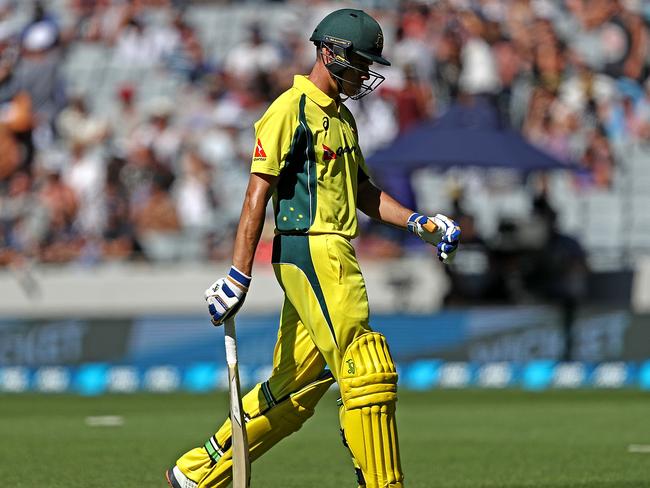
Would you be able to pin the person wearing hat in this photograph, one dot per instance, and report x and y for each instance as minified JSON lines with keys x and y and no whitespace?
{"x":307,"y":158}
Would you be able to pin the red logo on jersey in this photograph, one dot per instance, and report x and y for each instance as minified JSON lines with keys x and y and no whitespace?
{"x":328,"y":154}
{"x":259,"y":150}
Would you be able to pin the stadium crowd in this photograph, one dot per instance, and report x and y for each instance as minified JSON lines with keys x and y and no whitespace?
{"x":161,"y":180}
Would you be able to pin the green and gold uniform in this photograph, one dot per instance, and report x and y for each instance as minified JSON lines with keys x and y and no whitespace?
{"x":310,"y":141}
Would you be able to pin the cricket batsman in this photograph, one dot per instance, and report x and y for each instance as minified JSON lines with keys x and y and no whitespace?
{"x":307,"y":159}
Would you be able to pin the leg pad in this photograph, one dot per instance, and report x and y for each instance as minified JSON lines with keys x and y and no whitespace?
{"x":368,"y":382}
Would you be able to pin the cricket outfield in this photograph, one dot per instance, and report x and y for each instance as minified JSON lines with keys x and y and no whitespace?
{"x":449,"y":439}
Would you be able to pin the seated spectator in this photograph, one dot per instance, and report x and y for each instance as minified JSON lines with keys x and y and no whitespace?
{"x":86,"y":175}
{"x":124,"y":116}
{"x":22,"y":218}
{"x":252,"y":56}
{"x":77,"y":125}
{"x":159,"y":133}
{"x":140,"y":46}
{"x":413,"y":101}
{"x":195,"y":199}
{"x":158,"y":213}
{"x":38,"y":72}
{"x":118,"y":235}
{"x":187,"y":58}
{"x":62,"y":242}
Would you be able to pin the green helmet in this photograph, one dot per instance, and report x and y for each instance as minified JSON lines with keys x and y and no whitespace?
{"x":349,"y":31}
{"x":354,"y":29}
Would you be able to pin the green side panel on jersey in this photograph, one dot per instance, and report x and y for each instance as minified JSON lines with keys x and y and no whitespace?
{"x":294,"y":249}
{"x":295,"y":208}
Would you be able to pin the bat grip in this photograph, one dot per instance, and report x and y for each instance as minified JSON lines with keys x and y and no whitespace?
{"x":231,"y":341}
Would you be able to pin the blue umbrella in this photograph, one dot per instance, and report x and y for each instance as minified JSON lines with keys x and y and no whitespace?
{"x":464,"y":136}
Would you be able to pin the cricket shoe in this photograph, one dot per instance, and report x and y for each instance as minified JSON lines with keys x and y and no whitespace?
{"x":177,"y":479}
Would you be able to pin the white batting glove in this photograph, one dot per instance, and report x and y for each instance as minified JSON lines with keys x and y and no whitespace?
{"x":226,"y":295}
{"x":439,"y":231}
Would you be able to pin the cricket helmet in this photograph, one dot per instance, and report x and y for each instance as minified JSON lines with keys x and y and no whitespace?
{"x":347,"y":31}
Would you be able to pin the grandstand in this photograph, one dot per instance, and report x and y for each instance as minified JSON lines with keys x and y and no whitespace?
{"x":135,"y":153}
{"x":126,"y":136}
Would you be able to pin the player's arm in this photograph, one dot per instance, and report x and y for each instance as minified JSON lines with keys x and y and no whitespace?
{"x":379,"y":205}
{"x":439,"y":230}
{"x":226,"y":295}
{"x":260,"y":188}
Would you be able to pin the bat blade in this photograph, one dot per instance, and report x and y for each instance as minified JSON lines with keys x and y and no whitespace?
{"x":241,"y":467}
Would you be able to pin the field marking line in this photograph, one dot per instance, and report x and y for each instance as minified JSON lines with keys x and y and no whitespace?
{"x":104,"y":421}
{"x":639,"y":448}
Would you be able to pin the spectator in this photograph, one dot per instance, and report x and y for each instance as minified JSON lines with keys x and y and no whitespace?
{"x":158,"y":132}
{"x":85,"y":175}
{"x":140,"y":46}
{"x":194,"y":196}
{"x":119,"y":241}
{"x":62,"y":242}
{"x":253,"y":56}
{"x":560,"y":271}
{"x":76,"y":125}
{"x":22,"y":218}
{"x":187,"y":58}
{"x":124,"y":116}
{"x":413,"y":102}
{"x":478,"y":75}
{"x":472,"y":276}
{"x":158,"y":213}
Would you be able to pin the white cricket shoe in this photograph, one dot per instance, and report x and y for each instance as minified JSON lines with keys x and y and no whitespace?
{"x":177,"y":479}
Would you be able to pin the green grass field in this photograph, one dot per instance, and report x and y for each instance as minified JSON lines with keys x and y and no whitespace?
{"x":459,"y":439}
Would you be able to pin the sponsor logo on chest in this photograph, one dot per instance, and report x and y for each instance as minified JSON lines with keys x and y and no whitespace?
{"x":330,"y":154}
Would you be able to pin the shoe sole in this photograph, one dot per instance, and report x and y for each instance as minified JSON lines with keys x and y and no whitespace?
{"x":169,"y":476}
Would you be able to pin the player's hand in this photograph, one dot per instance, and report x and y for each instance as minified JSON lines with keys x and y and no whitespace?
{"x":226,"y":295}
{"x":439,"y":231}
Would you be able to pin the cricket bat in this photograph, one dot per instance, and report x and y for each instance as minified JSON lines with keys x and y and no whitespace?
{"x":241,"y":466}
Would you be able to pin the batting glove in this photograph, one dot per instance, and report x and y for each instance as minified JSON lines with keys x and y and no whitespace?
{"x":226,"y":295}
{"x":439,"y":231}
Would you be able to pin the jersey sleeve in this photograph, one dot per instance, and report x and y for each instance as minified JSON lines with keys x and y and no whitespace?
{"x":273,"y":135}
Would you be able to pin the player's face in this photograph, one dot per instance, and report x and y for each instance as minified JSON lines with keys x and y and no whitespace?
{"x":354,"y":78}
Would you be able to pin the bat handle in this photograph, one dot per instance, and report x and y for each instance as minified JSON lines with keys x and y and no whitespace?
{"x":231,"y":341}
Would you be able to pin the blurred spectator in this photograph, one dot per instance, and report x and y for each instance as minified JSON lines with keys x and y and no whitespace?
{"x":77,"y":125}
{"x":99,"y":20}
{"x":413,"y":101}
{"x":158,"y":132}
{"x":253,"y":56}
{"x":140,"y":46}
{"x":85,"y":175}
{"x":472,"y":276}
{"x":415,"y":53}
{"x":119,"y":241}
{"x":23,"y":219}
{"x":194,"y":195}
{"x":158,"y":212}
{"x":560,"y":272}
{"x":62,"y":241}
{"x":448,"y":66}
{"x":124,"y":116}
{"x":187,"y":58}
{"x":478,"y":74}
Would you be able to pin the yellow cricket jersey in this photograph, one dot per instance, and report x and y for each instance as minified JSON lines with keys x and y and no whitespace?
{"x":312,"y":144}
